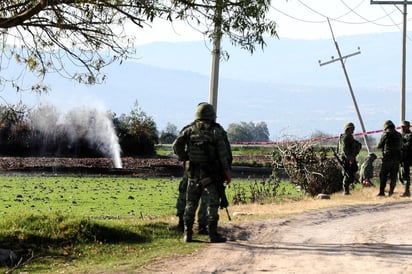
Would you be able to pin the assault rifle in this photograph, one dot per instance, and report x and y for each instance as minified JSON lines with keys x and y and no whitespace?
{"x":342,"y":164}
{"x":224,"y":203}
{"x":340,"y":161}
{"x":220,"y":179}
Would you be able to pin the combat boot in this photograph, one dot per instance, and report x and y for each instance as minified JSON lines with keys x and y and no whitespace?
{"x":381,"y":189}
{"x":391,"y":189}
{"x":407,"y":192}
{"x":181,"y":225}
{"x":214,"y":237}
{"x":203,"y":229}
{"x":188,"y":236}
{"x":346,"y":191}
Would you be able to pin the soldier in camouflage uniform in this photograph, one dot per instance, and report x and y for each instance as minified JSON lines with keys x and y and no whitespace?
{"x":204,"y":144}
{"x":366,"y":170}
{"x":348,"y":149}
{"x":406,"y":157}
{"x":391,"y":145}
{"x":181,"y":204}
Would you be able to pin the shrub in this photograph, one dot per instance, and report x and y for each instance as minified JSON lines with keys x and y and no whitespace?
{"x":311,"y":171}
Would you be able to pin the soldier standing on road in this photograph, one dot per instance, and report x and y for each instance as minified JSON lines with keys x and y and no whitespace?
{"x":406,"y":157}
{"x":204,"y":144}
{"x":348,"y":149}
{"x":181,"y":204}
{"x":391,"y":145}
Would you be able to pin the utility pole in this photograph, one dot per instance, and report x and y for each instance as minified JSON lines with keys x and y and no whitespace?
{"x":217,"y":37}
{"x":342,"y":59}
{"x":403,"y":63}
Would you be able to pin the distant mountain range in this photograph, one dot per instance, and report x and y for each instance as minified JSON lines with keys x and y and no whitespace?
{"x":283,"y":85}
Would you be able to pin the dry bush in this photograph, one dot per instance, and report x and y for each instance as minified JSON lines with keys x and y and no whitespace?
{"x":308,"y":167}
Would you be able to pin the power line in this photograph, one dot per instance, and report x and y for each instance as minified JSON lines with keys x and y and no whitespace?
{"x":338,"y":18}
{"x":299,"y":19}
{"x":374,"y":21}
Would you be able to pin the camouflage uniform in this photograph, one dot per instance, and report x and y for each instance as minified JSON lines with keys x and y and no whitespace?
{"x":348,"y":149}
{"x":366,"y":170}
{"x":204,"y":144}
{"x":391,"y":144}
{"x":406,"y":157}
{"x":181,"y":204}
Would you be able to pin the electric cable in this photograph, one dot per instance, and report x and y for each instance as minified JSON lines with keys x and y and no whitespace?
{"x":339,"y":17}
{"x":374,"y":21}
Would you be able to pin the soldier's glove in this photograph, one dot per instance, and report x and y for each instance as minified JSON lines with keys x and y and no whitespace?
{"x":228,"y":179}
{"x":224,"y":203}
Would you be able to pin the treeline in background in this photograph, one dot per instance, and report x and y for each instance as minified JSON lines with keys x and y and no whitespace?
{"x":88,"y":132}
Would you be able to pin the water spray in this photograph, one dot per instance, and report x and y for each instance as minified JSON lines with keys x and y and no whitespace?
{"x":88,"y":123}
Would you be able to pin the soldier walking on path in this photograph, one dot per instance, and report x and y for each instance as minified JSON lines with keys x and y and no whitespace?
{"x":348,"y":149}
{"x":406,"y":157}
{"x":391,"y":145}
{"x":204,"y":144}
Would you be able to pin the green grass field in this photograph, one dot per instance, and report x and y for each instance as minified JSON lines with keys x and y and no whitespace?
{"x":101,"y":197}
{"x":83,"y":223}
{"x":96,"y":197}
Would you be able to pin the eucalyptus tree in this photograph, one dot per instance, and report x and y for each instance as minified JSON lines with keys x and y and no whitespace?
{"x":77,"y":38}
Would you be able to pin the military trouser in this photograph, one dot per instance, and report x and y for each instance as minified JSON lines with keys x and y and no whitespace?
{"x":389,"y":170}
{"x":404,"y":176}
{"x":209,"y":195}
{"x":181,"y":204}
{"x":348,"y":180}
{"x":349,"y":175}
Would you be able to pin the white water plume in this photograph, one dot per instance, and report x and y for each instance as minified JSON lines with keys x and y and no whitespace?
{"x":88,"y":123}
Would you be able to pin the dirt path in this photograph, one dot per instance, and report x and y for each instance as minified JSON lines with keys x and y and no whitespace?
{"x":354,"y":239}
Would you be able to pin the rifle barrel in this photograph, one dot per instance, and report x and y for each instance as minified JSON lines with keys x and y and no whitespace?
{"x":228,"y":215}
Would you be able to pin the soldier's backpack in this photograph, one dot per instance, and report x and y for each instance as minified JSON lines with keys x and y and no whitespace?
{"x":201,"y":146}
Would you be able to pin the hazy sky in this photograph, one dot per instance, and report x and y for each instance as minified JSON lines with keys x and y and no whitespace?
{"x":305,"y":19}
{"x":296,"y":19}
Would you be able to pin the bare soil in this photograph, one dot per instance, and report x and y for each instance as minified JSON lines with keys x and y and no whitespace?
{"x":134,"y":166}
{"x":363,"y":238}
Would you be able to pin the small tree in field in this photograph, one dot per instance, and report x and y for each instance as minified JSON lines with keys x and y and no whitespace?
{"x":168,"y":135}
{"x":137,"y":132}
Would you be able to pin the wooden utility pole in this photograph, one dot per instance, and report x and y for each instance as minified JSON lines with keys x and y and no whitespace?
{"x":217,"y":37}
{"x":342,"y":59}
{"x":403,"y":63}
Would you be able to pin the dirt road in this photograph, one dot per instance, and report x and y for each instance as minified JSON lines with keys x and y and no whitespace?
{"x":354,"y":239}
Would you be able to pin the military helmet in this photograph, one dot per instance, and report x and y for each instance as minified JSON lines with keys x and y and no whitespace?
{"x":388,"y":124}
{"x":349,"y":125}
{"x":205,"y":111}
{"x":405,"y":123}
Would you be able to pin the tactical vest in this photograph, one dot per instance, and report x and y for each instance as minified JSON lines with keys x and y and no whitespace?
{"x":201,"y":147}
